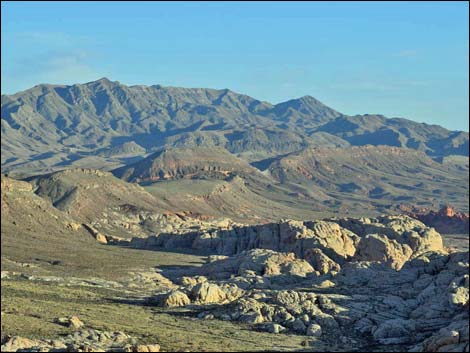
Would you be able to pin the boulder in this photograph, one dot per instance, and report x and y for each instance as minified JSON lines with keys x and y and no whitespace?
{"x":174,"y":298}
{"x":395,"y":331}
{"x":258,"y":262}
{"x":192,"y":281}
{"x":452,"y":338}
{"x":251,"y":318}
{"x":272,"y":263}
{"x":314,"y":330}
{"x":146,"y":348}
{"x":298,"y":326}
{"x":459,"y":297}
{"x":88,"y":340}
{"x":74,"y":226}
{"x":331,"y":236}
{"x":273,"y":328}
{"x":71,"y":321}
{"x":207,"y":293}
{"x":101,"y":238}
{"x":17,"y":343}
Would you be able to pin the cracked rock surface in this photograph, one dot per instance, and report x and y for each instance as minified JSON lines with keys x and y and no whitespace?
{"x":388,"y":280}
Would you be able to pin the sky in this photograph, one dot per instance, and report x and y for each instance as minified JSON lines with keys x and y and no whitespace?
{"x":399,"y":59}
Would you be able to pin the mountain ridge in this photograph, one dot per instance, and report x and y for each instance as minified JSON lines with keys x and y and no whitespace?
{"x":299,"y":100}
{"x":50,"y":127}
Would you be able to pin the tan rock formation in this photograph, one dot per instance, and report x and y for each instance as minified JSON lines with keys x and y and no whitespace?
{"x":376,"y":247}
{"x":175,"y":298}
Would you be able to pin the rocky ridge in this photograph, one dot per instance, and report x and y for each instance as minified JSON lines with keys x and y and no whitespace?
{"x":386,"y":238}
{"x":445,"y":220}
{"x":83,"y":340}
{"x":388,"y":280}
{"x":49,"y":126}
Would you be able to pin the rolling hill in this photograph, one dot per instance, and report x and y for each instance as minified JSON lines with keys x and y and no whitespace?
{"x":374,"y":176}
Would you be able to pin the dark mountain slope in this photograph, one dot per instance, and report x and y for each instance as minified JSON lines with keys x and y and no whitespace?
{"x":376,"y":130}
{"x":49,"y":127}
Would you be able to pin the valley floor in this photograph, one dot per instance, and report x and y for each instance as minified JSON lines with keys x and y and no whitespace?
{"x":29,"y":309}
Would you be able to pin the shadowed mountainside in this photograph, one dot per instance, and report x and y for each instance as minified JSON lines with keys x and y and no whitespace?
{"x":106,"y":124}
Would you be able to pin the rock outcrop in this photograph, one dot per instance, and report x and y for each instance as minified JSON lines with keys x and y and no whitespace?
{"x":376,"y":247}
{"x":381,"y":281}
{"x":446,"y":220}
{"x":174,"y":298}
{"x":89,"y":340}
{"x":327,"y":243}
{"x":387,"y":279}
{"x":260,"y":262}
{"x":71,"y":321}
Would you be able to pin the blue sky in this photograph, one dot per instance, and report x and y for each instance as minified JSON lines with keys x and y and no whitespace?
{"x":399,"y":59}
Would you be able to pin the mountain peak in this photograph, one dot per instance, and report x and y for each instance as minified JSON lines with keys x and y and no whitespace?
{"x":302,"y":101}
{"x":307,"y":105}
{"x":309,"y":100}
{"x":102,"y":81}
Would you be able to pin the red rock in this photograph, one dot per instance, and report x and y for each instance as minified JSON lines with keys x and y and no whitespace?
{"x":446,"y":220}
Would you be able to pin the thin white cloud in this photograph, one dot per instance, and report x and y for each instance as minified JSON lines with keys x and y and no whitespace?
{"x":54,"y":57}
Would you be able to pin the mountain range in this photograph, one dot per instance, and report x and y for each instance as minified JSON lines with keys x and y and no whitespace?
{"x":56,"y":125}
{"x":206,"y":220}
{"x":300,"y":153}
